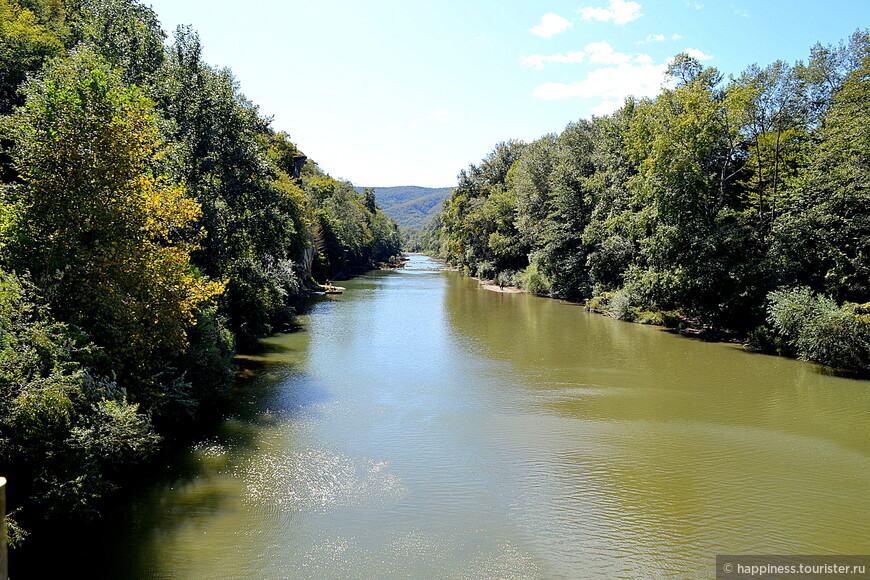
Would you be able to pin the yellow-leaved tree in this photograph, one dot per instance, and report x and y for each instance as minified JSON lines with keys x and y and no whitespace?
{"x":104,"y":233}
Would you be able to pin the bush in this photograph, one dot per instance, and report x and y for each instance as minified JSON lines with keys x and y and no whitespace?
{"x":534,"y":282}
{"x":620,"y":305}
{"x":667,"y":318}
{"x":510,"y":278}
{"x":485,"y":270}
{"x":65,"y":435}
{"x":599,"y":303}
{"x":655,"y":290}
{"x":819,"y":330}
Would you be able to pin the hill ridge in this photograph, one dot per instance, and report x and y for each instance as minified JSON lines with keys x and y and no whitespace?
{"x":412,"y":206}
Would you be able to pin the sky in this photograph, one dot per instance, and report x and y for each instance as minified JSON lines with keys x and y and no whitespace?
{"x":406,"y":92}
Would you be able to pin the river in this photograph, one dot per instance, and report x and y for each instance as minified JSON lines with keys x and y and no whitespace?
{"x":419,"y":426}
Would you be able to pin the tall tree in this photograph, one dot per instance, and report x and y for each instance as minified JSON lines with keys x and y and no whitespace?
{"x":106,"y":235}
{"x":824,"y":238}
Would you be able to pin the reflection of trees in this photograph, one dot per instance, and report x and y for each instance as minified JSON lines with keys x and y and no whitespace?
{"x":653,"y":442}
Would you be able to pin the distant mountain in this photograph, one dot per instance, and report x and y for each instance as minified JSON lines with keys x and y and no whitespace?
{"x":410,"y":205}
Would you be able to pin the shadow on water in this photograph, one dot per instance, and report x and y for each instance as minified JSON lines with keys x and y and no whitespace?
{"x":184,"y":484}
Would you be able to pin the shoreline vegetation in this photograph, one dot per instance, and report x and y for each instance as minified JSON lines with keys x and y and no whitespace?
{"x":726,"y":208}
{"x":153,"y":224}
{"x":671,"y":321}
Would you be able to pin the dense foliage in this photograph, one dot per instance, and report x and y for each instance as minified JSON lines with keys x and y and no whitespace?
{"x":738,"y":203}
{"x":151,"y":219}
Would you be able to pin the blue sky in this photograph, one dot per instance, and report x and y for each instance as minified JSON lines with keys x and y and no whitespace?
{"x":403,"y":92}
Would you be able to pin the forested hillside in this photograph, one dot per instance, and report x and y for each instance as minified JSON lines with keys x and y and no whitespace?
{"x":411,"y":206}
{"x":151,"y":219}
{"x":739,"y":203}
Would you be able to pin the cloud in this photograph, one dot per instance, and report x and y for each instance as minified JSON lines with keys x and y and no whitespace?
{"x":597,"y":53}
{"x":602,"y":53}
{"x":643,"y":59}
{"x":610,"y":84}
{"x":658,"y":38}
{"x":695,"y":53}
{"x":550,"y":25}
{"x":440,"y":115}
{"x":619,"y":11}
{"x":654,"y":38}
{"x":537,"y":61}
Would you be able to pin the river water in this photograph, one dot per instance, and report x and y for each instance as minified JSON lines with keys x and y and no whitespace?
{"x":422,"y":427}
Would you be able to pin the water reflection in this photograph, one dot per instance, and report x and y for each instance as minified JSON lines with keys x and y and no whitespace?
{"x":423,"y":427}
{"x":660,"y":451}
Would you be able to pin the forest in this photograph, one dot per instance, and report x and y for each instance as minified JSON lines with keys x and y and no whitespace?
{"x":738,"y":204}
{"x":152,"y":222}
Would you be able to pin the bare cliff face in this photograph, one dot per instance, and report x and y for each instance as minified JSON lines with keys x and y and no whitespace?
{"x":298,"y":162}
{"x":306,"y":261}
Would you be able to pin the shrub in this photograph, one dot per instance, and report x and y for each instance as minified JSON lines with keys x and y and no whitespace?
{"x":620,"y":305}
{"x":485,"y":270}
{"x":667,"y":318}
{"x":511,"y":278}
{"x":535,"y":282}
{"x":65,"y":435}
{"x":819,"y":330}
{"x":599,"y":303}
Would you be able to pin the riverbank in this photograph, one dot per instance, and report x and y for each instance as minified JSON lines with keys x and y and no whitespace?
{"x":494,"y":286}
{"x":671,"y":321}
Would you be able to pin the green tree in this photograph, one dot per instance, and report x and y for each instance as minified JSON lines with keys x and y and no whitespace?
{"x":126,"y":34}
{"x":105,"y":234}
{"x":477,"y":225}
{"x":769,"y":105}
{"x":25,"y":45}
{"x":66,"y":435}
{"x":689,"y":156}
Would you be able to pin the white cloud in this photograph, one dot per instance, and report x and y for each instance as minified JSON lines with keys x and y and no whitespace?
{"x":695,"y":53}
{"x":550,"y":25}
{"x":609,"y":84}
{"x":597,"y":52}
{"x":602,"y":53}
{"x":440,"y":115}
{"x":619,"y":11}
{"x":658,"y":38}
{"x":537,"y":61}
{"x":643,"y":59}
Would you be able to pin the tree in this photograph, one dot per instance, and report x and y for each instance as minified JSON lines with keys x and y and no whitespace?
{"x":688,"y":153}
{"x":125,"y":33}
{"x":25,"y":44}
{"x":772,"y":111}
{"x":823,"y":239}
{"x":106,"y":235}
{"x":65,"y":433}
{"x":477,"y":226}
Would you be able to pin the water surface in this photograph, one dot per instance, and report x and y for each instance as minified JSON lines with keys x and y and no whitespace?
{"x":419,"y":426}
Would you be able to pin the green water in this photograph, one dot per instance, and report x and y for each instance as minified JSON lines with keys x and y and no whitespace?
{"x":422,"y":427}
